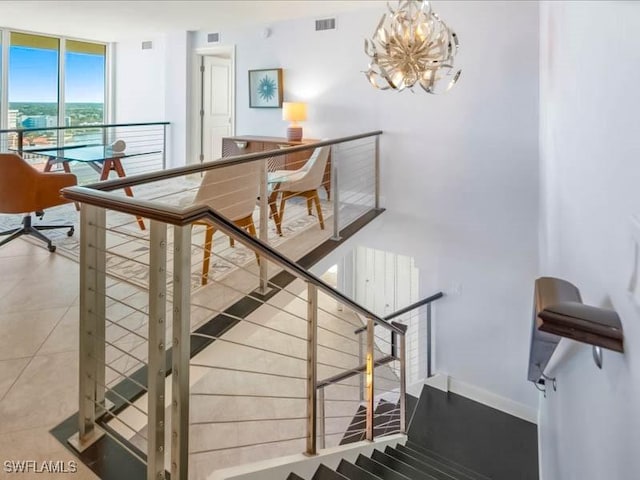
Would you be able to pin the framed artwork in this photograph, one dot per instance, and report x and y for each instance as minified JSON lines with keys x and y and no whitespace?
{"x":265,"y":88}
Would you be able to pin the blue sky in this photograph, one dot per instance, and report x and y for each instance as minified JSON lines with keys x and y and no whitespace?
{"x":33,"y":76}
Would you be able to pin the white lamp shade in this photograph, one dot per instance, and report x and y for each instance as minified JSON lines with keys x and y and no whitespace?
{"x":294,"y":111}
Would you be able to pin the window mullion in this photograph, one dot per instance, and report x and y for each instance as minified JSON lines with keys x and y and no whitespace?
{"x":61,"y":91}
{"x":4,"y":79}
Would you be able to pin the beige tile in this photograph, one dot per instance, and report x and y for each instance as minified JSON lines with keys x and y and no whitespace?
{"x":39,"y":445}
{"x":7,"y":286}
{"x":22,"y":247}
{"x":19,"y":267}
{"x":9,"y":372}
{"x":44,"y":395}
{"x":52,"y":283}
{"x":64,"y":337}
{"x":24,"y":332}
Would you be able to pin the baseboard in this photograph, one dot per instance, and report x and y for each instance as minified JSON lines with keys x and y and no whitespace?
{"x":449,"y":384}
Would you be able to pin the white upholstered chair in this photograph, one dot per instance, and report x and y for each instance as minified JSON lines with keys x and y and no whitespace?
{"x":303,"y":182}
{"x":232,"y":192}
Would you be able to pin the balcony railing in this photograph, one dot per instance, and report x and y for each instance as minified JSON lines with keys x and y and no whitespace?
{"x":43,"y":146}
{"x":258,"y":361}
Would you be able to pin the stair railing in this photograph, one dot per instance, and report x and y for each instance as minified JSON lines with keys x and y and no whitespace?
{"x":157,"y":304}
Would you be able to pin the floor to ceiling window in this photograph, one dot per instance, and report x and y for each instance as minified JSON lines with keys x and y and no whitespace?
{"x":38,"y":66}
{"x":84,"y":87}
{"x":33,"y":85}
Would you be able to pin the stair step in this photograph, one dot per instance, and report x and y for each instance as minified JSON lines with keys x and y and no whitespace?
{"x":444,"y":460}
{"x":293,"y":476}
{"x":325,"y":473}
{"x":405,"y":469}
{"x":386,"y":418}
{"x":435,"y":470}
{"x":355,"y":431}
{"x":353,"y":472}
{"x":463,"y":471}
{"x":379,"y":469}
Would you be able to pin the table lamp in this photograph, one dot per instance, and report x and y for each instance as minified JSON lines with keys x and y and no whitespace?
{"x":294,"y":112}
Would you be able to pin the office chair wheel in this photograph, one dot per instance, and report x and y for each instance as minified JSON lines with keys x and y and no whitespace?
{"x":52,"y":248}
{"x":39,"y":214}
{"x":70,"y":232}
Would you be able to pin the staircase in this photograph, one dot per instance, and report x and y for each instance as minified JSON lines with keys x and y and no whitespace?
{"x":404,"y":462}
{"x":450,"y":438}
{"x":386,"y":420}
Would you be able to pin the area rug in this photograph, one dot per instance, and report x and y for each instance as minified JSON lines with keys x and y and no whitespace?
{"x":128,"y":245}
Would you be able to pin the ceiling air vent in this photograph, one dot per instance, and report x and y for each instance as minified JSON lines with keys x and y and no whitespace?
{"x":213,"y":37}
{"x":147,"y":45}
{"x":325,"y":24}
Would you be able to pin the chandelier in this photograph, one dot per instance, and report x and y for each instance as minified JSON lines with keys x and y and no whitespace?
{"x":412,"y":45}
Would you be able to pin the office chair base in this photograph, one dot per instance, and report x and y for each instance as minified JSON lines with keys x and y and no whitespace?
{"x":34,"y":230}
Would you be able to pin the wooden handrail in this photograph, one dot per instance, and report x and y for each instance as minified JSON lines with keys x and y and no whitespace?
{"x":144,"y":178}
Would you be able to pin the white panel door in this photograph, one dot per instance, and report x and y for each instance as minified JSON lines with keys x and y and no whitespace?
{"x":216,"y":105}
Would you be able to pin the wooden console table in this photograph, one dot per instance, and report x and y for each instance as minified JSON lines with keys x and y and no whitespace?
{"x":292,"y":161}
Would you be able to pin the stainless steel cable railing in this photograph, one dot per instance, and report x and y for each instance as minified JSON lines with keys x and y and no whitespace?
{"x":262,"y":354}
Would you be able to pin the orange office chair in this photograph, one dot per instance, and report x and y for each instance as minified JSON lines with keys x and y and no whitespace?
{"x":23,"y":189}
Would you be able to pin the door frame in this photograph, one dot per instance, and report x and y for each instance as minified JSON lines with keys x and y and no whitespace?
{"x":228,"y":52}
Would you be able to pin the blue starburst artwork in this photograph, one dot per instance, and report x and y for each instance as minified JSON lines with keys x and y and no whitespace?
{"x":265,"y":88}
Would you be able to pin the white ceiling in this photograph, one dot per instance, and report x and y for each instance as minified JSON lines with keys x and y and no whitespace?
{"x":120,"y":20}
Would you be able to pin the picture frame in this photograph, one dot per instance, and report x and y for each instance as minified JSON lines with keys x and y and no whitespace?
{"x":265,"y":88}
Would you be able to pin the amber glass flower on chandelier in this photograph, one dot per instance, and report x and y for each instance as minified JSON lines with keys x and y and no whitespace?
{"x":412,"y":45}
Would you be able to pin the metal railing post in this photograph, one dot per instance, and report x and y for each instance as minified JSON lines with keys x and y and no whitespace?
{"x":312,"y":367}
{"x":322,"y":416}
{"x":370,"y":379}
{"x":394,"y":344}
{"x":164,"y":147}
{"x":403,"y":383}
{"x":335,"y":193}
{"x":92,"y":324}
{"x":20,"y":142}
{"x":377,"y":171}
{"x":361,"y":360}
{"x":429,"y":341}
{"x":156,"y":367}
{"x":264,"y":226}
{"x":181,"y":352}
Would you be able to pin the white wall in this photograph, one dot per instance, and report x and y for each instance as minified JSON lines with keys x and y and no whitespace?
{"x":177,"y":96}
{"x":590,"y":147}
{"x":462,"y":166}
{"x":139,"y":81}
{"x":153,"y":86}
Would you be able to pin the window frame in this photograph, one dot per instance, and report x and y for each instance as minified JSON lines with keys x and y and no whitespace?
{"x":5,"y":36}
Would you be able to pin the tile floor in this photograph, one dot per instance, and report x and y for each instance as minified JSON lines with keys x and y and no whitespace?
{"x":38,"y":355}
{"x":39,"y":352}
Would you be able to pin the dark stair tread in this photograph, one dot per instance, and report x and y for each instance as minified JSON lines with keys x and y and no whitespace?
{"x":353,"y":472}
{"x":293,"y":476}
{"x":411,"y":404}
{"x":325,"y":473}
{"x":386,"y":418}
{"x":439,"y":458}
{"x":355,"y":431}
{"x":463,"y":472}
{"x":438,"y":471}
{"x":399,"y":466}
{"x":379,"y":469}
